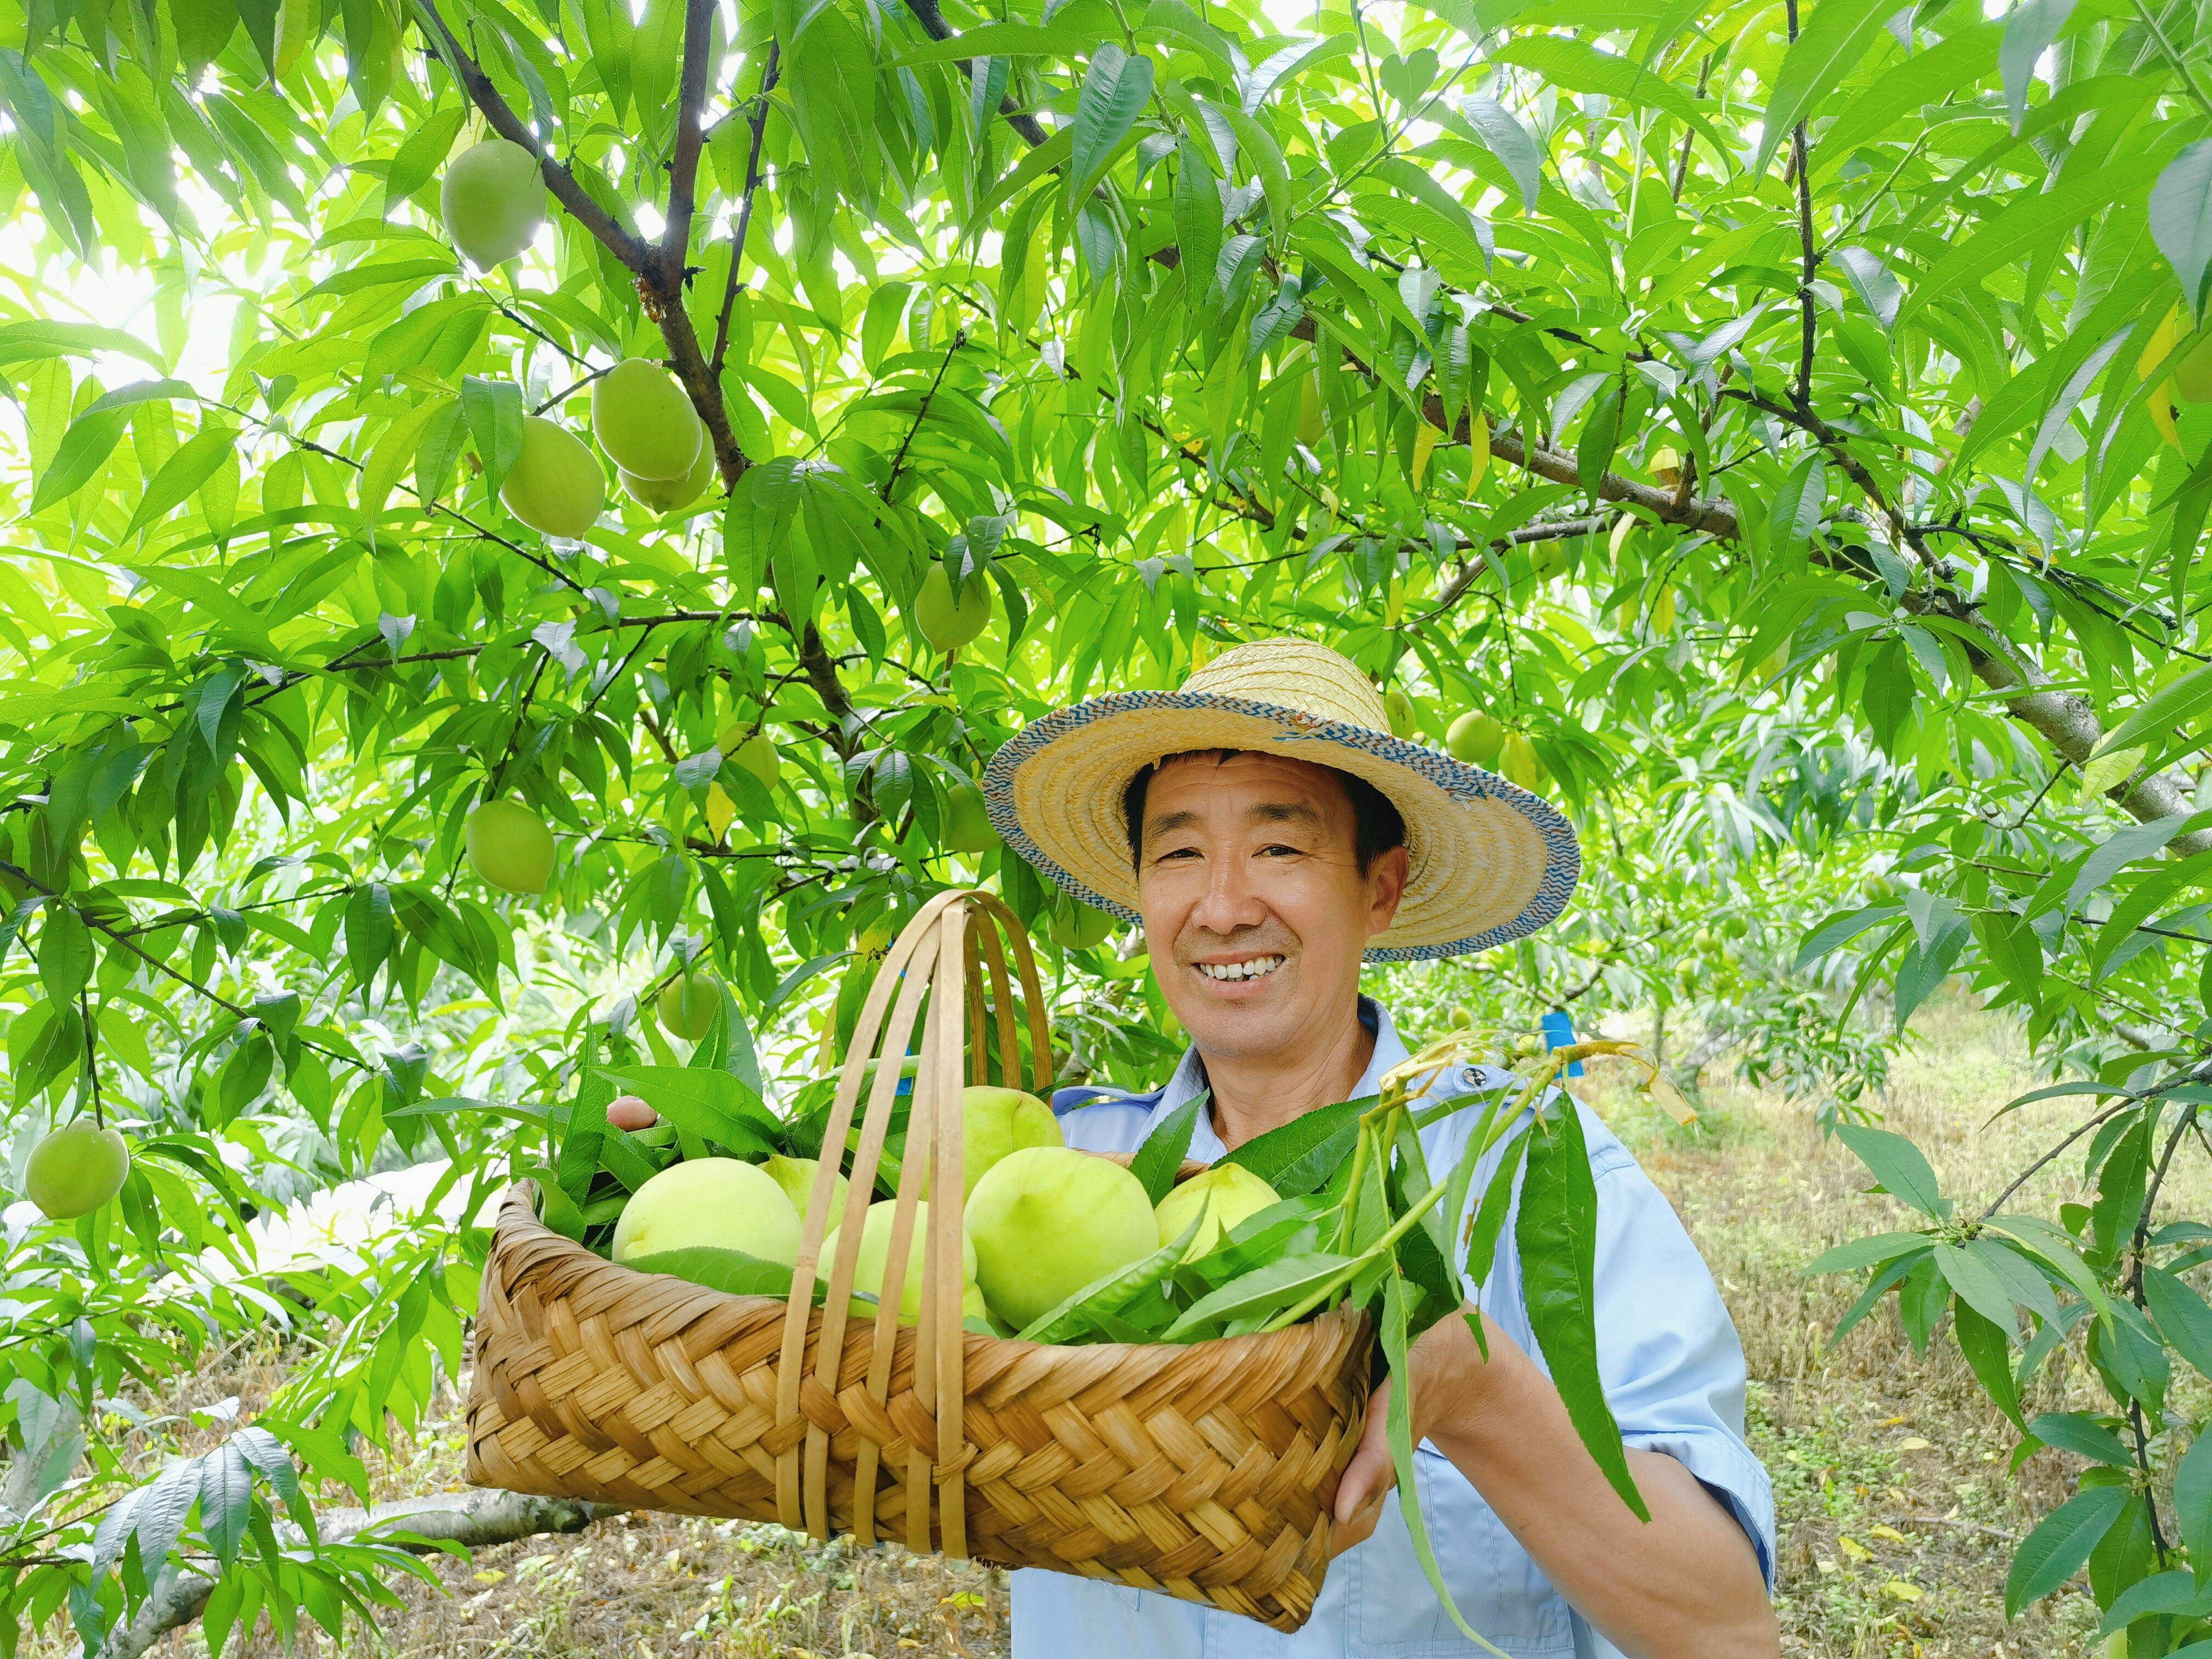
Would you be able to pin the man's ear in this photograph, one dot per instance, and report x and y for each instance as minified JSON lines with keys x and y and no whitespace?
{"x":1386,"y":886}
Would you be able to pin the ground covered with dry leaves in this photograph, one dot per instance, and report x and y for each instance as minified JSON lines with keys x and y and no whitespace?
{"x":1899,"y":1508}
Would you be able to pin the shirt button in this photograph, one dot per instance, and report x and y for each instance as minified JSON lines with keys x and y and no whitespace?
{"x":1469,"y":1074}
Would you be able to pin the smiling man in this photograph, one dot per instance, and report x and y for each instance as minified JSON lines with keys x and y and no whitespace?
{"x":1270,"y":836}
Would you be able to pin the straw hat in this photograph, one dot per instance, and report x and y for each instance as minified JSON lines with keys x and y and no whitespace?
{"x":1491,"y":862}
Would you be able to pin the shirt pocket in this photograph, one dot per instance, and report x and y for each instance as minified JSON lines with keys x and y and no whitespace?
{"x":1495,"y":1584}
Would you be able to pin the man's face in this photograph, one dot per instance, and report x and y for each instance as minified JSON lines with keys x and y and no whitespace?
{"x":1256,"y":912}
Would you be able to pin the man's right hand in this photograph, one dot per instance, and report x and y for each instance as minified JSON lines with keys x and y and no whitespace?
{"x":628,"y":1112}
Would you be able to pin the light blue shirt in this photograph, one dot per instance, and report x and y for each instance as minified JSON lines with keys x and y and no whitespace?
{"x":1673,"y":1376}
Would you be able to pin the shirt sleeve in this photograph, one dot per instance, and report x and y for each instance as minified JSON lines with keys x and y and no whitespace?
{"x":1672,"y":1366}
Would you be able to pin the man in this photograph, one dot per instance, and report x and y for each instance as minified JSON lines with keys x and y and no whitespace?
{"x":1268,"y":833}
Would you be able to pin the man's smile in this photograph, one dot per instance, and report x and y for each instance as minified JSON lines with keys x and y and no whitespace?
{"x":1240,"y":970}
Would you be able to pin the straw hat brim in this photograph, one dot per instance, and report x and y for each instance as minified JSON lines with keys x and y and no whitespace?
{"x":1490,"y":862}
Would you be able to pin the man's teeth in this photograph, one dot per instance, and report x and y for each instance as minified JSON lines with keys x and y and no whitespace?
{"x":1253,"y":970}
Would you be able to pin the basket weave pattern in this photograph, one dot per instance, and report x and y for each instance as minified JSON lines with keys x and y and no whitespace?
{"x":1207,"y":1470}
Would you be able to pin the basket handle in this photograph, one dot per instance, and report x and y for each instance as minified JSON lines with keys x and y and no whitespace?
{"x":906,"y":971}
{"x":936,"y":957}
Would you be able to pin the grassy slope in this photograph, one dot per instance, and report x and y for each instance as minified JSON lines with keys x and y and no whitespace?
{"x":1897,"y":1510}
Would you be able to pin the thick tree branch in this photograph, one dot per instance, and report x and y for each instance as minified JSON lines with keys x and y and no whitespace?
{"x":474,"y":1520}
{"x":690,"y":137}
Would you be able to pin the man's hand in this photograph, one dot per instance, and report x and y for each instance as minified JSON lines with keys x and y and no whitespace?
{"x":1448,"y":1375}
{"x":1685,"y":1585}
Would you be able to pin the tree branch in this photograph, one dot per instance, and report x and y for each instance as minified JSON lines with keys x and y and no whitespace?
{"x":474,"y":1520}
{"x":933,"y":25}
{"x":690,"y":136}
{"x":1808,"y":252}
{"x":769,"y":75}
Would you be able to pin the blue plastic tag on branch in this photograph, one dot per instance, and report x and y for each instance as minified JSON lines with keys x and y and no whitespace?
{"x":1558,"y":1032}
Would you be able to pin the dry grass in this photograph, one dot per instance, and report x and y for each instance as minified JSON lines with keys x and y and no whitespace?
{"x":1898,"y":1511}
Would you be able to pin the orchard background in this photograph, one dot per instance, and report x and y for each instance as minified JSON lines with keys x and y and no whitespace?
{"x":1788,"y":427}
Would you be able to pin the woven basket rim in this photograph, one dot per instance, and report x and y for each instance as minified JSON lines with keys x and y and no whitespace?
{"x":517,"y":1219}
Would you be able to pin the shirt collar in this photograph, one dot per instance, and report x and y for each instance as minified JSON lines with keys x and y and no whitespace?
{"x":1190,"y":1077}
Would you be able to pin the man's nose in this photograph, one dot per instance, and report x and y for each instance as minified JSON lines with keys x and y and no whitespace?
{"x":1231,"y":902}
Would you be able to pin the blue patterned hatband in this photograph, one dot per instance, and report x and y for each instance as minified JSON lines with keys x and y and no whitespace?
{"x":1478,"y":792}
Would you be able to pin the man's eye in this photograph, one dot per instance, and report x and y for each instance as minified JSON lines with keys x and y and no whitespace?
{"x":1176,"y":853}
{"x":1276,"y":849}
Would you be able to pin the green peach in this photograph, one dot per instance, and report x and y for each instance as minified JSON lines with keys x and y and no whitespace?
{"x":492,"y":202}
{"x":509,"y":846}
{"x":875,"y":1254}
{"x":721,"y":1203}
{"x":796,"y":1176}
{"x":687,"y":1004}
{"x":77,"y":1169}
{"x":555,"y":486}
{"x":1049,"y":1220}
{"x":995,"y":1122}
{"x":949,"y":620}
{"x":1218,"y":1199}
{"x":645,"y":422}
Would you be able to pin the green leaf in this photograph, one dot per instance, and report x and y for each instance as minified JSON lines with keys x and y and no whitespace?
{"x":2119,"y":851}
{"x":1976,"y":1283}
{"x":226,"y":1500}
{"x":1899,"y":1166}
{"x":423,"y":155}
{"x":2181,"y":218}
{"x":183,"y":473}
{"x":1574,"y":66}
{"x":1285,"y":64}
{"x":1110,"y":1293}
{"x":1270,"y":1288}
{"x":713,"y":1104}
{"x":1398,"y":1430}
{"x":2022,"y":228}
{"x":1065,"y":40}
{"x":1988,"y":1353}
{"x":84,"y":450}
{"x":1165,"y":1149}
{"x":2082,"y":1435}
{"x":2059,"y":1547}
{"x":1509,"y":142}
{"x":2182,"y":1318}
{"x":2012,"y":946}
{"x":1858,"y":1253}
{"x":2192,"y":1504}
{"x":64,"y":953}
{"x":1827,"y":48}
{"x":1115,"y":89}
{"x":1838,"y":929}
{"x":1556,"y":1230}
{"x":2163,"y":1594}
{"x":718,"y":1269}
{"x":2167,"y":711}
{"x":1199,"y":230}
{"x":494,"y":413}
{"x":1301,"y":1155}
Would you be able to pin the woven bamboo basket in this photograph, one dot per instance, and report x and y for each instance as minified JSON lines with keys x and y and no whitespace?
{"x":1208,"y":1470}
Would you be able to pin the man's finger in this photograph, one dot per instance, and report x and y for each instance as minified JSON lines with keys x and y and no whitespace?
{"x":1369,"y":1475}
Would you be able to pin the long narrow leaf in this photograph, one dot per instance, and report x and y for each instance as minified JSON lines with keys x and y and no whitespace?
{"x":1556,"y":1229}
